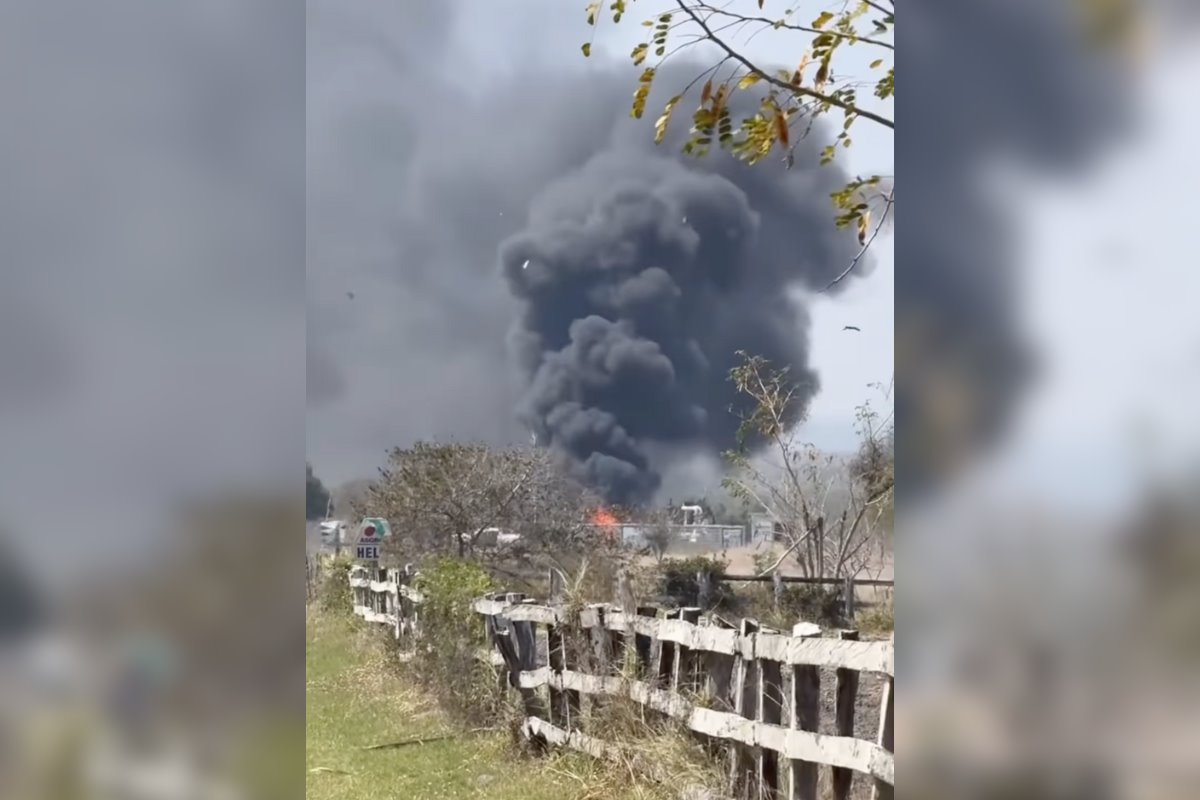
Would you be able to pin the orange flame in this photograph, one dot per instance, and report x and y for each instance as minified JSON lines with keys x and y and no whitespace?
{"x":604,"y":518}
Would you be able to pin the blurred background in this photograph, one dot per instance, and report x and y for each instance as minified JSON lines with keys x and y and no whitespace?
{"x":153,"y":365}
{"x":1047,"y":373}
{"x":152,"y":368}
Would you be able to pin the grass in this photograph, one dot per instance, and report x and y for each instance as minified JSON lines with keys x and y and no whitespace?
{"x":355,"y":699}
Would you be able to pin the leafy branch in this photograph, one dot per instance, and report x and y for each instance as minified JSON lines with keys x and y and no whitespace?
{"x":789,"y":101}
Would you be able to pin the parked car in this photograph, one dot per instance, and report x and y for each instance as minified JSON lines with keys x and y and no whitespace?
{"x":334,"y":531}
{"x":492,"y":537}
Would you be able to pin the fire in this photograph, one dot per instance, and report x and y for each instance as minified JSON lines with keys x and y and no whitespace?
{"x":604,"y":518}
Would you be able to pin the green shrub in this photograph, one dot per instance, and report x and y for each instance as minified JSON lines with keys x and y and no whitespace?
{"x":822,"y":605}
{"x":877,"y":619}
{"x":334,"y":596}
{"x":798,"y":603}
{"x":451,"y":636}
{"x":678,"y":584}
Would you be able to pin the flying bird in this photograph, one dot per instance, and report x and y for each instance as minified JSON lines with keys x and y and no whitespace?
{"x":852,"y":328}
{"x":350,"y":295}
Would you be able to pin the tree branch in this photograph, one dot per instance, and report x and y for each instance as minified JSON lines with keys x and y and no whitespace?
{"x":774,"y":23}
{"x":866,"y":245}
{"x":774,"y":81}
{"x":796,"y":542}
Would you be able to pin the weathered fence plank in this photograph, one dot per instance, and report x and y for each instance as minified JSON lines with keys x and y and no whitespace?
{"x":687,"y":666}
{"x":806,"y":716}
{"x":745,"y":705}
{"x":739,"y":672}
{"x":770,"y":712}
{"x":847,"y":696}
{"x":887,"y":722}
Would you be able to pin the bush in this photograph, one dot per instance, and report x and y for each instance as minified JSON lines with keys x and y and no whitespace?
{"x":819,"y":604}
{"x":451,"y":635}
{"x":878,"y":618}
{"x":334,"y":594}
{"x":677,"y":581}
{"x":799,"y":603}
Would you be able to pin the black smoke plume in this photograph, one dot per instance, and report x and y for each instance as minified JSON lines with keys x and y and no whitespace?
{"x":647,"y":270}
{"x":641,"y":275}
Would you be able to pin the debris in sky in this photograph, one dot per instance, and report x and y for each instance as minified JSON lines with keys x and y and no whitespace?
{"x":852,"y":328}
{"x":350,"y":295}
{"x":526,"y":264}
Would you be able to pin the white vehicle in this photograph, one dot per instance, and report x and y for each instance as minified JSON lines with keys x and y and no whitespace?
{"x":334,"y":531}
{"x":492,"y":537}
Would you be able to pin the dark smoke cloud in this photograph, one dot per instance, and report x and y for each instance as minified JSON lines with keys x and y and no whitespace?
{"x":641,"y":275}
{"x":647,"y":270}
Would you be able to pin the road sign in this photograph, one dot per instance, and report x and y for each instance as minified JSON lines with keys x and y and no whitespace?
{"x":374,"y":528}
{"x":370,"y":532}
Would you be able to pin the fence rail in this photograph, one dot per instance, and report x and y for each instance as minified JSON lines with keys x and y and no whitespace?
{"x":805,"y":579}
{"x":755,"y":690}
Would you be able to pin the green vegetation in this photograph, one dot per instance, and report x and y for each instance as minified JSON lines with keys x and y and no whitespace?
{"x":677,"y":580}
{"x":878,"y":619}
{"x":333,"y":596}
{"x":446,"y":667}
{"x":355,"y":700}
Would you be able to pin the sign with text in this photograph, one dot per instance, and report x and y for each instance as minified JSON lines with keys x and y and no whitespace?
{"x":370,"y":533}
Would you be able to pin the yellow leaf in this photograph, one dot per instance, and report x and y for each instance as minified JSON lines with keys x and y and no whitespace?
{"x":822,"y":20}
{"x":822,"y":74}
{"x":660,"y":125}
{"x":863,"y":222}
{"x":876,"y":63}
{"x":587,"y":49}
{"x":639,"y":54}
{"x":592,"y":10}
{"x":781,"y":126}
{"x":749,"y":80}
{"x":722,"y":95}
{"x":706,"y":93}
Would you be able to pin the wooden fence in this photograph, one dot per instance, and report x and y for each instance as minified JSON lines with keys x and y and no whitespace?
{"x":753,"y":690}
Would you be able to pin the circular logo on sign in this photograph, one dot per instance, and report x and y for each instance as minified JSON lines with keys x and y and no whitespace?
{"x":369,"y":532}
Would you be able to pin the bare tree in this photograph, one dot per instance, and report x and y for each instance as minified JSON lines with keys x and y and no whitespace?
{"x":473,"y":501}
{"x":828,"y":513}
